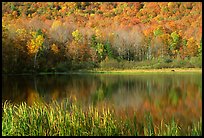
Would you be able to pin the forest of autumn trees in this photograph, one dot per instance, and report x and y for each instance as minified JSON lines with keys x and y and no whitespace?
{"x":47,"y":36}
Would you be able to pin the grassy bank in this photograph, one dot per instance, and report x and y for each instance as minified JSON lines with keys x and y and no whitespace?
{"x":118,"y":71}
{"x":168,"y":70}
{"x":70,"y":119}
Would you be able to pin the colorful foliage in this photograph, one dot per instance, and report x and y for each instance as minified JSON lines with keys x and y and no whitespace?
{"x":127,"y":30}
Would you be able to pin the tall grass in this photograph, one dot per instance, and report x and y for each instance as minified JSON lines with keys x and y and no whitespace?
{"x":70,"y":119}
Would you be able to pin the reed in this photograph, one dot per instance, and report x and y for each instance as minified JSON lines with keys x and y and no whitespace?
{"x":70,"y":119}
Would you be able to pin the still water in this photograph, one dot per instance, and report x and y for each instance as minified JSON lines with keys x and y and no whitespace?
{"x":165,"y":95}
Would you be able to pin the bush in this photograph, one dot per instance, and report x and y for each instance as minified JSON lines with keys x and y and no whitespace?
{"x":196,"y":61}
{"x":159,"y":63}
{"x":127,"y":64}
{"x":83,"y":65}
{"x":179,"y":63}
{"x":62,"y":67}
{"x":168,"y":60}
{"x":110,"y":64}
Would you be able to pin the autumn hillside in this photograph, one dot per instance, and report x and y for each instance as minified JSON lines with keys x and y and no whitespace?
{"x":62,"y":36}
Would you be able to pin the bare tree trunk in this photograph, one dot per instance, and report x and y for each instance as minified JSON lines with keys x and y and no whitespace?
{"x":128,"y":54}
{"x":149,"y":52}
{"x":35,"y":59}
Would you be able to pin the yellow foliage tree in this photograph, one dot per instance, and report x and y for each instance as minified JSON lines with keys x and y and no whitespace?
{"x":35,"y":44}
{"x":192,"y":47}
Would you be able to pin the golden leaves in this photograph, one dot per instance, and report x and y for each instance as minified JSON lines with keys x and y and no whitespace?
{"x":56,"y":24}
{"x":54,"y":48}
{"x":192,"y":46}
{"x":35,"y":43}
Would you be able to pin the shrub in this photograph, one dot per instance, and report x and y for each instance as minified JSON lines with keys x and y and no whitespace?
{"x":196,"y":61}
{"x":168,"y":60}
{"x":83,"y":65}
{"x":110,"y":64}
{"x":62,"y":67}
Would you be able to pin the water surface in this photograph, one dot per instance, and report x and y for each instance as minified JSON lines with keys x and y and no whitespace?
{"x":165,"y":95}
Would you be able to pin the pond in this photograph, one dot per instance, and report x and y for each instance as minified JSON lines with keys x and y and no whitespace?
{"x":165,"y":95}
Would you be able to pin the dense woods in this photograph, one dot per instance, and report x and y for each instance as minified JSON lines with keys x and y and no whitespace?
{"x":63,"y":36}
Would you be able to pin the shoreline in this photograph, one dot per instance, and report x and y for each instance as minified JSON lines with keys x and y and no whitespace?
{"x":173,"y":70}
{"x":116,"y":71}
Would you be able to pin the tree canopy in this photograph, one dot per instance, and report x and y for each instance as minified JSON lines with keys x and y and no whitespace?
{"x":48,"y":35}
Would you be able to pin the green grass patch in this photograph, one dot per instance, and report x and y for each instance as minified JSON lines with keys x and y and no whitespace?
{"x":70,"y":119}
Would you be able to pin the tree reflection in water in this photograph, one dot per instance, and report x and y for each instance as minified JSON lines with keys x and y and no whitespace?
{"x":164,"y":95}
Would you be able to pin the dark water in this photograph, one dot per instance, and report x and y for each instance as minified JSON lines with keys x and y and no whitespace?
{"x":164,"y":94}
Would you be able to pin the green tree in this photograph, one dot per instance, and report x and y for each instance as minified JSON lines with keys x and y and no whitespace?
{"x":175,"y":43}
{"x":108,"y":49}
{"x":98,"y":46}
